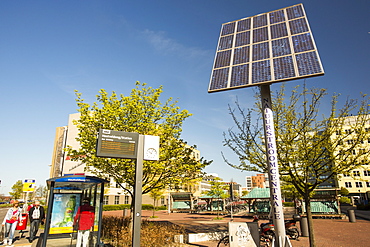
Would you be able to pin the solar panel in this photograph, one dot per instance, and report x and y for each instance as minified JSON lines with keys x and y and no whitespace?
{"x":263,"y":49}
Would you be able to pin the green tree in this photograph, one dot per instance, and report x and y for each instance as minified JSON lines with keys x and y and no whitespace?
{"x":144,"y":113}
{"x":343,"y":191}
{"x":41,"y":192}
{"x":218,"y":191}
{"x":17,"y":190}
{"x":312,"y":148}
{"x":155,"y":195}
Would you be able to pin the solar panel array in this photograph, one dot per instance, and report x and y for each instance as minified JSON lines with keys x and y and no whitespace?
{"x":266,"y":48}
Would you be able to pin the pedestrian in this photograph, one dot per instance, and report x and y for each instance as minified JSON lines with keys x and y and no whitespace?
{"x":84,"y":222}
{"x":11,"y":219}
{"x":37,"y":216}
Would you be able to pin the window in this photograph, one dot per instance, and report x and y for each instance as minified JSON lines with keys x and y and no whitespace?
{"x":353,"y":151}
{"x":368,"y":184}
{"x":348,"y":184}
{"x":358,"y":184}
{"x":116,"y":199}
{"x":126,"y":199}
{"x":349,"y":142}
{"x":348,"y":131}
{"x":346,"y":175}
{"x":338,"y":132}
{"x":356,"y":173}
{"x":105,"y":200}
{"x":366,"y":173}
{"x":162,"y":200}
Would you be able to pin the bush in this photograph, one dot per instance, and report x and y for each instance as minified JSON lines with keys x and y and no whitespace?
{"x":288,"y":204}
{"x":115,"y":230}
{"x":345,"y":200}
{"x":127,"y":206}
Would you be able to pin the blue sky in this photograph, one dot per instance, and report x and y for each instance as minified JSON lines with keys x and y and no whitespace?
{"x":50,"y":48}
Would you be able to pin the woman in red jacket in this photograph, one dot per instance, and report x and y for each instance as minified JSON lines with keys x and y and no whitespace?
{"x":84,"y":220}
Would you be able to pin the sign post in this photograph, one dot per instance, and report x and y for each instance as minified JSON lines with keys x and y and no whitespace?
{"x":128,"y":145}
{"x":276,"y":209}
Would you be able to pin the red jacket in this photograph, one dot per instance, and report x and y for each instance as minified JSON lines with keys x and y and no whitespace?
{"x":85,"y":217}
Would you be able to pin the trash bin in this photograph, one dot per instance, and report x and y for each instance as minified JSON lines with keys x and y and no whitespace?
{"x":351,"y":215}
{"x":304,"y":226}
{"x":22,"y":224}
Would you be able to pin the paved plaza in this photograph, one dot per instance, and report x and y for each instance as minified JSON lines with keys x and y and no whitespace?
{"x":328,"y":232}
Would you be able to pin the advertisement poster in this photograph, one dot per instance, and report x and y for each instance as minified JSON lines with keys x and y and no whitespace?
{"x":63,"y":212}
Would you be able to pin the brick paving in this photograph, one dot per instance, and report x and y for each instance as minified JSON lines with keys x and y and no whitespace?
{"x":328,"y":232}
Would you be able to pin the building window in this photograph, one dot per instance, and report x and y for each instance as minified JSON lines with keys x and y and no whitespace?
{"x":116,"y":199}
{"x":348,"y":131}
{"x":162,"y":200}
{"x":348,"y":184}
{"x":356,"y":173}
{"x":358,"y":184}
{"x":349,"y":142}
{"x":346,"y":175}
{"x":368,"y":184}
{"x":366,"y":173}
{"x":338,"y":132}
{"x":105,"y":200}
{"x":126,"y":199}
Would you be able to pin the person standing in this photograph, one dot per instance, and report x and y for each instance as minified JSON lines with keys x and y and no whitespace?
{"x":37,"y":216}
{"x":11,"y":219}
{"x":84,"y":220}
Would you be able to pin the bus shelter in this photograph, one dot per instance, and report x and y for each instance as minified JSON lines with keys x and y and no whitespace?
{"x":66,"y":196}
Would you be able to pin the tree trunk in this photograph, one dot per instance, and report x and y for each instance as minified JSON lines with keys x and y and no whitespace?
{"x":311,"y":234}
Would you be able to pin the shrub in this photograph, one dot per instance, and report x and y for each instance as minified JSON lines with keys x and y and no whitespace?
{"x":345,"y":200}
{"x":127,"y":206}
{"x":288,"y":204}
{"x":115,"y":230}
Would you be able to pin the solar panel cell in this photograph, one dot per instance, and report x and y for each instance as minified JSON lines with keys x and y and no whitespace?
{"x":260,"y":20}
{"x":302,"y":42}
{"x":241,"y":55}
{"x":223,"y":59}
{"x":239,"y":75}
{"x":295,"y":12}
{"x":261,"y":71}
{"x":280,"y":47}
{"x":308,"y":63}
{"x":277,"y":16}
{"x":260,"y":35}
{"x":244,"y":25}
{"x":226,"y":42}
{"x":228,"y":28}
{"x":279,"y":30}
{"x":242,"y":39}
{"x":219,"y":79}
{"x":261,"y":51}
{"x":298,"y":26}
{"x":283,"y":68}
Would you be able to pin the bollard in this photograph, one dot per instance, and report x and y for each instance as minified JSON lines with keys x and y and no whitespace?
{"x":351,"y":215}
{"x":304,"y":227}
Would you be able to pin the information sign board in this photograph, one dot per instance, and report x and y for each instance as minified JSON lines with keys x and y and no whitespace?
{"x":117,"y":144}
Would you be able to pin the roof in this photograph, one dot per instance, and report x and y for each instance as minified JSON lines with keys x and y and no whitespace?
{"x":258,"y":193}
{"x":75,"y":182}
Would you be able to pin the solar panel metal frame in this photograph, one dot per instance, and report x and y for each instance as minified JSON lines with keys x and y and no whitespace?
{"x":267,"y":48}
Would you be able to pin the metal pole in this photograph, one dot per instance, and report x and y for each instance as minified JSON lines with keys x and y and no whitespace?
{"x":273,"y":169}
{"x":138,"y":194}
{"x":48,"y":214}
